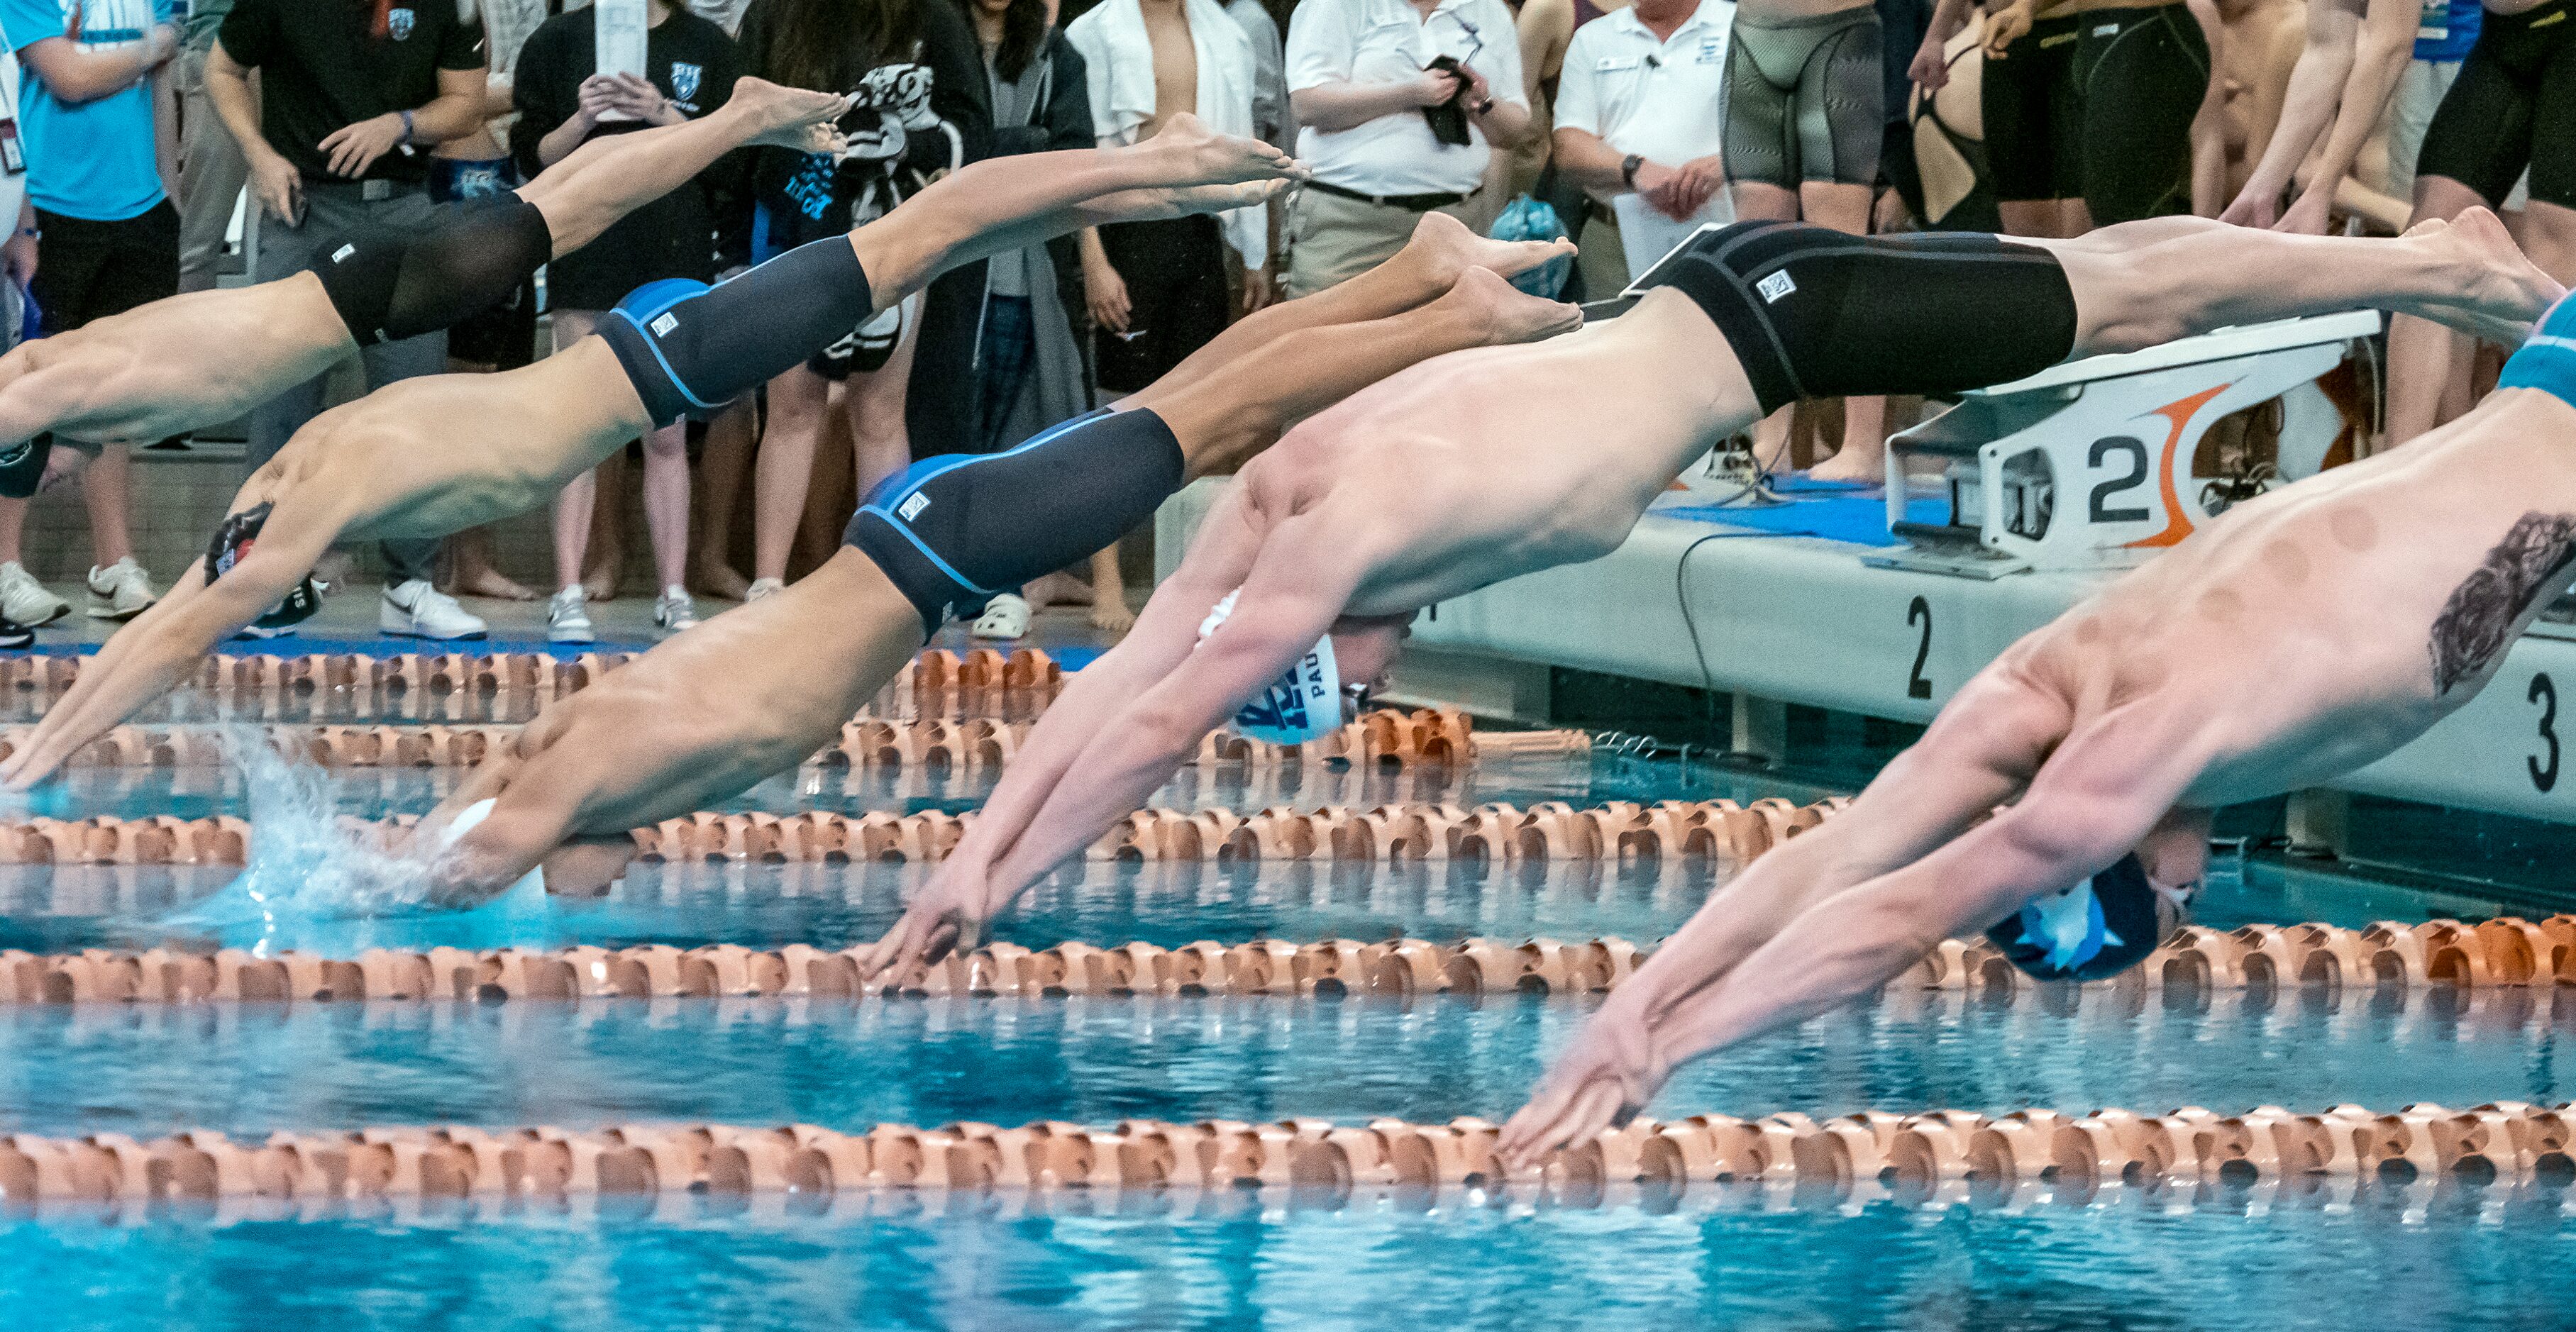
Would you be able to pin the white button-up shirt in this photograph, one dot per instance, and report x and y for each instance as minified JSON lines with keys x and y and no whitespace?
{"x":1388,"y":41}
{"x":1662,"y":100}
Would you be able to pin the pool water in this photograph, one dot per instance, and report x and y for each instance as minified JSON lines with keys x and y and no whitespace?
{"x":2376,"y":1253}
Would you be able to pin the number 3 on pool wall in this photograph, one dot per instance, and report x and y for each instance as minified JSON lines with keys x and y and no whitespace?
{"x":1918,"y":687}
{"x":2544,"y":774}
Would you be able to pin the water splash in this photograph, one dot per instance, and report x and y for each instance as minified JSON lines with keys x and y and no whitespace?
{"x":317,"y":884}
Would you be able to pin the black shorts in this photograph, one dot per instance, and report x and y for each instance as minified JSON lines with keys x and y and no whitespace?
{"x":89,"y":270}
{"x":1176,"y":297}
{"x":953,"y":531}
{"x":2512,"y":106}
{"x":2098,"y":106}
{"x":388,"y":284}
{"x":1813,"y":313}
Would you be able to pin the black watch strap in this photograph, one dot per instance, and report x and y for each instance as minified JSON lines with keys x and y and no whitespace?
{"x":1628,"y":169}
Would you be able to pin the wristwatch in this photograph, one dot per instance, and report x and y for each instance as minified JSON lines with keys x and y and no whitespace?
{"x":1628,"y":169}
{"x":1485,"y":107}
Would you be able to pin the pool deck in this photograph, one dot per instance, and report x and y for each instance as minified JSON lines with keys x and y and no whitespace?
{"x":348,"y":624}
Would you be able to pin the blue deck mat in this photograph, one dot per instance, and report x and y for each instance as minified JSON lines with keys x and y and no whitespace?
{"x":1856,"y":515}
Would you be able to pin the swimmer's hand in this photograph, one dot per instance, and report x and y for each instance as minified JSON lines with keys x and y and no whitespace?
{"x":1600,"y":1081}
{"x":2006,"y":26}
{"x":953,"y":912}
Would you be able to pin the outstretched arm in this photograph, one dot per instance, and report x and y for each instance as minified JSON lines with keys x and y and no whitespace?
{"x":952,"y":910}
{"x":165,"y":643}
{"x":2386,"y":40}
{"x":2307,"y":107}
{"x":2100,"y":795}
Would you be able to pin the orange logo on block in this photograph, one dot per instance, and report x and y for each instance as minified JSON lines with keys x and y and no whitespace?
{"x":2178,"y":414}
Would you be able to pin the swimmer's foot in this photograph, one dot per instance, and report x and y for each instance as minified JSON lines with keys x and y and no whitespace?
{"x":1152,"y":203}
{"x":788,"y":117}
{"x":1502,"y":314}
{"x":2506,"y":292}
{"x":1447,"y":247}
{"x":1197,"y":155}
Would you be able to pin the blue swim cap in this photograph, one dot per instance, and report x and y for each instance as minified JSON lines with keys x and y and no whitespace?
{"x":2094,"y":930}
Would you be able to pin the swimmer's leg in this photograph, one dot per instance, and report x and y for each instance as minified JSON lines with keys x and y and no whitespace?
{"x":613,"y":175}
{"x":1232,"y":411}
{"x":1441,"y":250}
{"x":2183,"y":276}
{"x":1002,"y":204}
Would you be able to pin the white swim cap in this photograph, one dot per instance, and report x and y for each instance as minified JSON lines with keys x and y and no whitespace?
{"x":466,"y":820}
{"x":1304,"y":703}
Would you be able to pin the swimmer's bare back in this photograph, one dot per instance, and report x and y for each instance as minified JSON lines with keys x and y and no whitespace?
{"x":173,"y":365}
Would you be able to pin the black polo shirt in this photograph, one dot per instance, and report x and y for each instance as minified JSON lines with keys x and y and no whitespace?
{"x":322,"y":66}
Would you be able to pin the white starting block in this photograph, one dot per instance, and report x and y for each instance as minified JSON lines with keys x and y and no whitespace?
{"x":2089,"y":465}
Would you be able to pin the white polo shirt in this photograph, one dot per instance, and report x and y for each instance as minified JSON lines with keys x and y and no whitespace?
{"x":1662,"y":100}
{"x":1388,"y":41}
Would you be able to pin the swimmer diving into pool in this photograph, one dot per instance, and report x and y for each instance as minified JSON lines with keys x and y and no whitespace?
{"x":201,"y":357}
{"x":2302,"y":636}
{"x":705,"y":715}
{"x":441,"y":453}
{"x":1305,"y":572}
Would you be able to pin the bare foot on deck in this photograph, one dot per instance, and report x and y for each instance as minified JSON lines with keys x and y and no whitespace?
{"x":1849,"y":464}
{"x":1112,"y":615}
{"x":490,"y":582}
{"x":1058,"y":589}
{"x":718,"y":580}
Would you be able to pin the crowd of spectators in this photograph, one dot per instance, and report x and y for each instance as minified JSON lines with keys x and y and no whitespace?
{"x":148,"y":154}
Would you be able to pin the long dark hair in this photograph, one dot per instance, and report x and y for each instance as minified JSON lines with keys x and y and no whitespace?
{"x":1024,"y":30}
{"x":809,"y":42}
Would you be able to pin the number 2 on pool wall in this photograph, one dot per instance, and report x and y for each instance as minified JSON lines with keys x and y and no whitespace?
{"x":2544,"y":692}
{"x":1918,"y":687}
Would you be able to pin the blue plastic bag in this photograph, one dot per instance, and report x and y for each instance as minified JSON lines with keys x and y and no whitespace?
{"x":1526,"y":219}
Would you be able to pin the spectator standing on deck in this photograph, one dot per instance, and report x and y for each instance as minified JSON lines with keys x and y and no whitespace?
{"x":351,"y":99}
{"x":924,"y":112}
{"x":95,"y":128}
{"x":690,"y":66}
{"x":1640,"y":109}
{"x":1030,"y":372}
{"x":1160,"y":290}
{"x":211,"y":169}
{"x":1363,"y":86}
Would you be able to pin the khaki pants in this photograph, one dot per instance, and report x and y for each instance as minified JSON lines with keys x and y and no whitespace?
{"x":1600,"y":257}
{"x":211,"y":175}
{"x":1332,"y":239}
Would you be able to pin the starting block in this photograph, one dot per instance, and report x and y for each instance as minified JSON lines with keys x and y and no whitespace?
{"x":2091,"y":464}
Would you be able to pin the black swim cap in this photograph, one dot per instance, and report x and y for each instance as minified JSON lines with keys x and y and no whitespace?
{"x":2094,"y":930}
{"x":232,"y":541}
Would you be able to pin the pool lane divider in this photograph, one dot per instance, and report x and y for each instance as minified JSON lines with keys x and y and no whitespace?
{"x":1386,"y":739}
{"x":1550,"y":830}
{"x":255,"y":674}
{"x":2499,"y":954}
{"x":2499,"y":1142}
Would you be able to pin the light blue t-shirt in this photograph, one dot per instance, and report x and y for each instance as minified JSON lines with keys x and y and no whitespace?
{"x":92,"y":161}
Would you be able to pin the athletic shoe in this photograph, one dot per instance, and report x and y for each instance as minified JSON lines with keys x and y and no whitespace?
{"x":675,"y":612}
{"x":568,"y":617}
{"x":263,"y":632}
{"x":1005,"y":619}
{"x":25,"y":601}
{"x":120,"y":591}
{"x":14,"y":635}
{"x":763,"y":587}
{"x":414,"y":609}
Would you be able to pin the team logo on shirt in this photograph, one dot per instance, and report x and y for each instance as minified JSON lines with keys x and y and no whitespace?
{"x":684,"y":81}
{"x":399,"y":23}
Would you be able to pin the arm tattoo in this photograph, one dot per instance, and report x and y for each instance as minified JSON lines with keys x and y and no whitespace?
{"x":2531,"y":562}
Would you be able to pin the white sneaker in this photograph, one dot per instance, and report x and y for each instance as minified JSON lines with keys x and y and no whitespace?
{"x":1005,"y":619}
{"x":760,"y":587}
{"x":675,"y":611}
{"x":25,"y":600}
{"x":416,"y":610}
{"x":568,"y":617}
{"x":120,"y":591}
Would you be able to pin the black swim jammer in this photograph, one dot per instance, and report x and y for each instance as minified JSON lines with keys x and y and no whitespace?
{"x":389,"y":284}
{"x":689,"y":348}
{"x":1814,"y":313}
